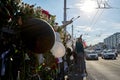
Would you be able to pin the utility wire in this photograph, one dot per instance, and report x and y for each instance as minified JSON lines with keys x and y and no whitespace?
{"x":92,"y":21}
{"x":97,"y":18}
{"x":95,"y":13}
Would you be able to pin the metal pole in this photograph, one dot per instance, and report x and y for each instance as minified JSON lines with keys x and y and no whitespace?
{"x":72,"y":37}
{"x":72,"y":30}
{"x":65,"y":19}
{"x":65,"y":11}
{"x":72,"y":25}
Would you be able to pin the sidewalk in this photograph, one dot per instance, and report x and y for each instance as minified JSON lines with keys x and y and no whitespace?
{"x":74,"y":74}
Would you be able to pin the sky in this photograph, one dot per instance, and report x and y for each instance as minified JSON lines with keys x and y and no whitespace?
{"x":94,"y":23}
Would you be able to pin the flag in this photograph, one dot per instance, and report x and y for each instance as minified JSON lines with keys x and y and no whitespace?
{"x":84,"y":44}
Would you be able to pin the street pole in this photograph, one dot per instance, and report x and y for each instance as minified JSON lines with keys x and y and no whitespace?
{"x":65,"y":15}
{"x":72,"y":30}
{"x":65,"y":19}
{"x":72,"y":37}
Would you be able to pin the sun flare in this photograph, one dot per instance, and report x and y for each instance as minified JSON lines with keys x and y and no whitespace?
{"x":88,"y":6}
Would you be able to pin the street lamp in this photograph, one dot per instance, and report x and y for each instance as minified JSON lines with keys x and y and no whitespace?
{"x":72,"y":24}
{"x":73,"y":30}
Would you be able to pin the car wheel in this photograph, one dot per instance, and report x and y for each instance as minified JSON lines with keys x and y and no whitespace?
{"x":115,"y":58}
{"x":97,"y":59}
{"x":102,"y":57}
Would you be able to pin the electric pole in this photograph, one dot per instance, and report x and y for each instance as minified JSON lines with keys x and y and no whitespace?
{"x":65,"y":15}
{"x":72,"y":30}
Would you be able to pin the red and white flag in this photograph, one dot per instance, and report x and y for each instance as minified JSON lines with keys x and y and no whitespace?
{"x":84,"y":44}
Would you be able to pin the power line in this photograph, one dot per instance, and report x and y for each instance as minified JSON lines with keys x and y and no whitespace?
{"x":95,"y":13}
{"x":94,"y":17}
{"x":103,"y":4}
{"x":97,"y":18}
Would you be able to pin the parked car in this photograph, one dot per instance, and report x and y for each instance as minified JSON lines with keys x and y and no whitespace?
{"x":108,"y":54}
{"x":91,"y":56}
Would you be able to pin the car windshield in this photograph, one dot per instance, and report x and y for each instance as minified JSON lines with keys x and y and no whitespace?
{"x":104,"y":51}
{"x":91,"y":53}
{"x":109,"y":51}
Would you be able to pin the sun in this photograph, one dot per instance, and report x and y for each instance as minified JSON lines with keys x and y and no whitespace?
{"x":88,"y":6}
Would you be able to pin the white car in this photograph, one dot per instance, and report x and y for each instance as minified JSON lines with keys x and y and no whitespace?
{"x":91,"y":56}
{"x":109,"y":54}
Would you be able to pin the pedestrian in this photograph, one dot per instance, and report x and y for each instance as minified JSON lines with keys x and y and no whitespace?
{"x":79,"y":49}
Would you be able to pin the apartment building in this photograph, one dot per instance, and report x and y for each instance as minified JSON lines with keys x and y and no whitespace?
{"x":113,"y":41}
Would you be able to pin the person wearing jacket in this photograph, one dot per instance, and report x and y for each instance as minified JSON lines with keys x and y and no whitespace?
{"x":79,"y":49}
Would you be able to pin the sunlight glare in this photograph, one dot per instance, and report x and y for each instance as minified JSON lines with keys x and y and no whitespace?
{"x":88,"y":6}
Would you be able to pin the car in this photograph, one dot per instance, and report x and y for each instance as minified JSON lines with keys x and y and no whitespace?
{"x":108,"y":54}
{"x":116,"y":52}
{"x":91,"y":56}
{"x":98,"y":52}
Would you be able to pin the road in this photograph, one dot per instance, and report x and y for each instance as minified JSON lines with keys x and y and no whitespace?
{"x":103,"y":69}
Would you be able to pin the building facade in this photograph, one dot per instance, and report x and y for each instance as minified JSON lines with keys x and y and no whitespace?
{"x":113,"y":41}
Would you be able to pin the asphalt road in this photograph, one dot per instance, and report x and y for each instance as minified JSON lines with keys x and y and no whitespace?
{"x":103,"y":69}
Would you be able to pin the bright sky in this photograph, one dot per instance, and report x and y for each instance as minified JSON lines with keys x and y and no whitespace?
{"x":95,"y":24}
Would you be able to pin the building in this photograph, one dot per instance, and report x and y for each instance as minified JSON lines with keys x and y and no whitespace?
{"x":113,"y":41}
